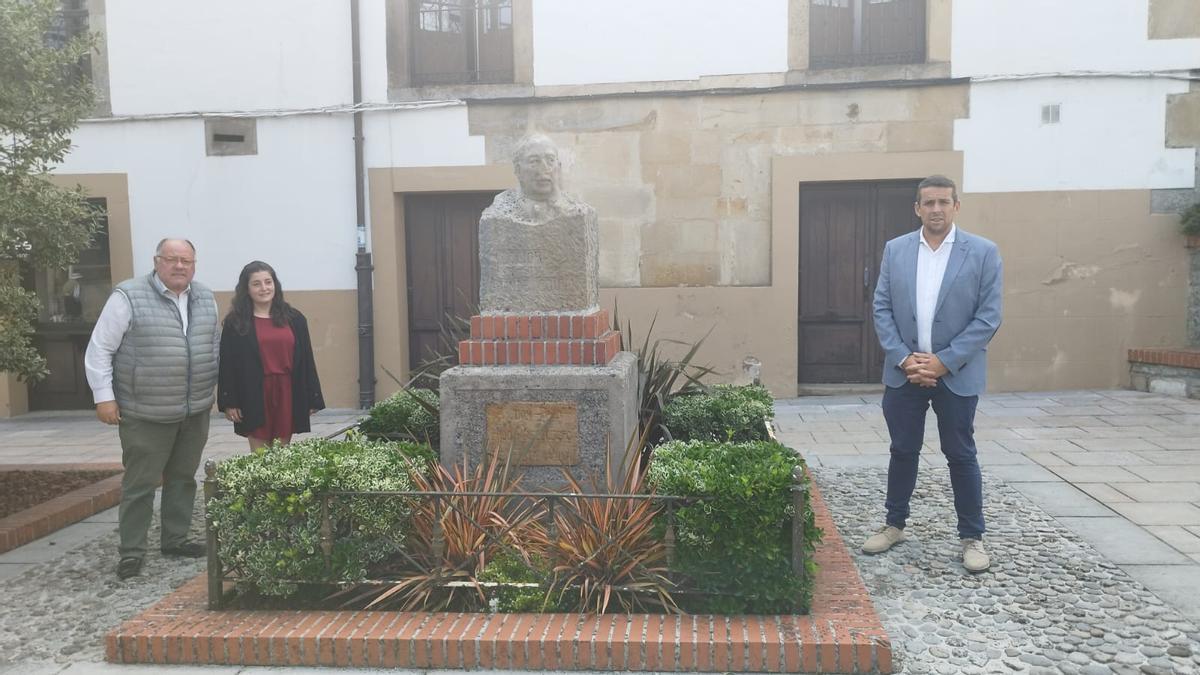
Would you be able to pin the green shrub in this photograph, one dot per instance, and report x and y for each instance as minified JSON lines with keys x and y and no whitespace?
{"x":268,"y":515}
{"x":507,"y":568}
{"x":409,"y":414}
{"x":739,"y":541}
{"x":1189,"y":222}
{"x":723,"y":412}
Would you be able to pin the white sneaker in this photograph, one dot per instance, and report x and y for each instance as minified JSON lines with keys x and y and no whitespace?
{"x":883,"y":540}
{"x":974,"y":558}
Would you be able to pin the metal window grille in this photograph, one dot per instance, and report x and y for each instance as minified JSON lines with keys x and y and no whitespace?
{"x":70,"y":21}
{"x":846,"y":33}
{"x":461,"y":42}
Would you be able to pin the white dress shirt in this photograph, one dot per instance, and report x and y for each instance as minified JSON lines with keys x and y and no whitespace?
{"x":931,"y":267}
{"x":110,"y":330}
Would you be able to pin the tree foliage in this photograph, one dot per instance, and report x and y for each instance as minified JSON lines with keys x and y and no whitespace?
{"x":43,"y":93}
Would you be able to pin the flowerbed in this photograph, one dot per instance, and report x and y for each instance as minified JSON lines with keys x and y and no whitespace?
{"x":21,"y":489}
{"x":718,"y":524}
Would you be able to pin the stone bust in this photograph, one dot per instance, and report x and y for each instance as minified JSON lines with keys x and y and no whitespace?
{"x":538,"y":198}
{"x":537,"y":245}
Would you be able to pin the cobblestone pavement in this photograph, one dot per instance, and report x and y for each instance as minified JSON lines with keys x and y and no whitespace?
{"x":1073,"y":587}
{"x":57,"y":611}
{"x":1120,"y":469}
{"x":1050,"y":604}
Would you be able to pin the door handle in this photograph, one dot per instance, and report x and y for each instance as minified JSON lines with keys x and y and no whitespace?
{"x":866,"y":281}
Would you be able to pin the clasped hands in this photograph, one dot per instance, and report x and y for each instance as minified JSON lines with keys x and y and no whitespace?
{"x":923,"y":369}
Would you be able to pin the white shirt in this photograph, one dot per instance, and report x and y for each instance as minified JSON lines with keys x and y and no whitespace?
{"x":931,"y":267}
{"x":110,"y":331}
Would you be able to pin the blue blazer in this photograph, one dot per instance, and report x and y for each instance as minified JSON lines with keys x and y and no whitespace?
{"x":966,"y":317}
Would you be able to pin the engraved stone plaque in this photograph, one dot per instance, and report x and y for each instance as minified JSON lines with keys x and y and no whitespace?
{"x":538,"y":433}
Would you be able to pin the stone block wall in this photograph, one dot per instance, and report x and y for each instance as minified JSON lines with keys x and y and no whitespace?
{"x":682,"y":183}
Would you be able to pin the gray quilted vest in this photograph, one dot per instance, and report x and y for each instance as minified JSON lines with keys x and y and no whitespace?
{"x":160,"y":374}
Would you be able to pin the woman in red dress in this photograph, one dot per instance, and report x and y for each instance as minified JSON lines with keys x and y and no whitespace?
{"x":267,"y":384}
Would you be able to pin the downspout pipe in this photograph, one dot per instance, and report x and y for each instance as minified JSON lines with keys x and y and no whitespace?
{"x":362,"y":264}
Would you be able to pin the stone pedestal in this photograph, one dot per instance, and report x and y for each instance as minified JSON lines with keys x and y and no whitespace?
{"x":541,"y":379}
{"x":543,"y":417}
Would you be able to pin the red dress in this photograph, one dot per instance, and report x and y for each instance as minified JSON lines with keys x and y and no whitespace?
{"x":276,"y":346}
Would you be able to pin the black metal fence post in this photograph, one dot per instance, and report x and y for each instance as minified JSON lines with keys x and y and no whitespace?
{"x":799,"y":505}
{"x":326,"y":534}
{"x":211,"y":490}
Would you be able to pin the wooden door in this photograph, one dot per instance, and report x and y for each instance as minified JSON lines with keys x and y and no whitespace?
{"x":66,"y":387}
{"x":442,"y":252}
{"x":843,"y":227}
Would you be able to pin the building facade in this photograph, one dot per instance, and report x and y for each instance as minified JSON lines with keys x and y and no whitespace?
{"x":747,"y":161}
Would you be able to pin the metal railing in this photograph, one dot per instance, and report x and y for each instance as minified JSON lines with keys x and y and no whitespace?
{"x":546,"y":509}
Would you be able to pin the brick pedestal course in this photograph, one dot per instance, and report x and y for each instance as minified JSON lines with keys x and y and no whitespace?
{"x":540,"y":340}
{"x":842,"y":634}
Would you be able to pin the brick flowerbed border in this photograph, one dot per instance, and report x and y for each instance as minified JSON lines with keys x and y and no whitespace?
{"x":40,"y":520}
{"x":842,"y":634}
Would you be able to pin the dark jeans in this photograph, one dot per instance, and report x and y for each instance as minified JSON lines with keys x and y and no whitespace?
{"x":904,"y":410}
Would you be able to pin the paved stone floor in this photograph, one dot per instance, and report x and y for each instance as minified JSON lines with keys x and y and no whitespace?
{"x":1119,"y":468}
{"x":1100,"y":486}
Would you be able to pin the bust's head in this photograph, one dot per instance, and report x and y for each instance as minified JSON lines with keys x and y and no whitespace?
{"x":535,"y":161}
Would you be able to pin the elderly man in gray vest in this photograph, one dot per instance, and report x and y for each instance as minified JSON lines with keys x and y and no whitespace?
{"x":152,"y":366}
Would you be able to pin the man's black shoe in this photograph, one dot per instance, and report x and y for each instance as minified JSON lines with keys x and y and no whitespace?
{"x":129,"y":567}
{"x":188,"y":549}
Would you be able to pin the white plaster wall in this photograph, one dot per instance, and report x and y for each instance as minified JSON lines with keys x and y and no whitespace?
{"x":372,"y":49}
{"x":996,"y":37}
{"x":167,"y":56}
{"x":426,"y":137}
{"x":291,"y":205}
{"x":1110,"y":136}
{"x":644,"y":40}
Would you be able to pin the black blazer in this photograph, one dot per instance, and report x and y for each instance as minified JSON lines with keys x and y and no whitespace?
{"x":240,"y":378}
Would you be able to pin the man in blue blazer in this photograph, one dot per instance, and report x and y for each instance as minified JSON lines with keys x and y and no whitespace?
{"x":937,"y":305}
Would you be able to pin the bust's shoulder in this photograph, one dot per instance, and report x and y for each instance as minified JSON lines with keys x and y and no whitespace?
{"x":572,"y":203}
{"x":505,"y":202}
{"x":512,"y":204}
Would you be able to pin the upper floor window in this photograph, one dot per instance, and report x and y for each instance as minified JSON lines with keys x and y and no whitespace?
{"x":461,"y":42}
{"x":70,"y":20}
{"x":844,"y":33}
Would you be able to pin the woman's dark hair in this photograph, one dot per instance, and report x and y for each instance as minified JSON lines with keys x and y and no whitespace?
{"x":241,"y":310}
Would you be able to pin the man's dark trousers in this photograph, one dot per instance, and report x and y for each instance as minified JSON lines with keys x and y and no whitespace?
{"x":904,"y":410}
